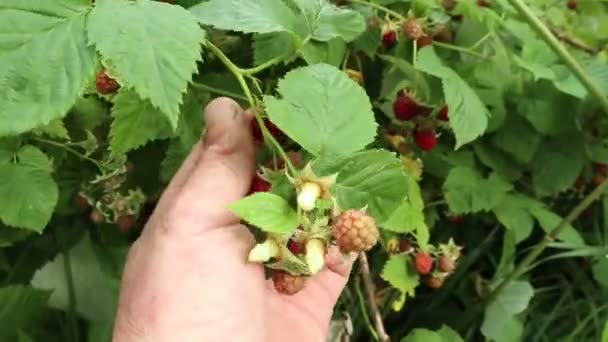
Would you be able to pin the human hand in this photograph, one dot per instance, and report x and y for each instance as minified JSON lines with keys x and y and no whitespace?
{"x":187,"y":276}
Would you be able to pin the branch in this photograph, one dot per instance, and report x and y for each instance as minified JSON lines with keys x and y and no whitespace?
{"x":369,"y":289}
{"x":566,"y":38}
{"x":561,"y":51}
{"x":549,"y":237}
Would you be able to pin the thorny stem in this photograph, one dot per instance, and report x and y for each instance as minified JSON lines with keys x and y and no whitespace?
{"x":369,"y":289}
{"x":380,"y":8}
{"x":69,"y":149}
{"x":549,"y":237}
{"x":364,"y":312}
{"x":561,"y":51}
{"x":218,"y":91}
{"x":240,"y":76}
{"x":459,"y":49}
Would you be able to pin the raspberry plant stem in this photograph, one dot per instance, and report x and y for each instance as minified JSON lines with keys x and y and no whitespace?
{"x":380,"y":8}
{"x":371,"y":298}
{"x":71,"y":150}
{"x":371,"y":329}
{"x":561,"y":51}
{"x":240,"y":76}
{"x":211,"y":89}
{"x":537,"y":250}
{"x":263,"y":66}
{"x":459,"y":49}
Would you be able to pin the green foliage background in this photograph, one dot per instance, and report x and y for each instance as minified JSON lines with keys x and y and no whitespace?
{"x":520,"y":151}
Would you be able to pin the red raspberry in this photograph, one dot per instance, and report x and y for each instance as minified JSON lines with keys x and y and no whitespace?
{"x":105,"y":84}
{"x":572,"y":5}
{"x":286,"y":283}
{"x":405,"y":245}
{"x":426,"y":140}
{"x":443,"y":114}
{"x":389,"y":39}
{"x":444,"y":34}
{"x":126,"y":222}
{"x":456,"y":219}
{"x":355,"y":231}
{"x":404,"y":107}
{"x":423,"y":41}
{"x":412,"y":29}
{"x":598,"y":178}
{"x":259,"y":184}
{"x":446,"y":264}
{"x":81,"y":201}
{"x":600,"y":168}
{"x":294,"y":247}
{"x":448,"y":4}
{"x":435,"y":282}
{"x":424,"y":263}
{"x":580,"y":183}
{"x":97,"y":217}
{"x":272,"y":128}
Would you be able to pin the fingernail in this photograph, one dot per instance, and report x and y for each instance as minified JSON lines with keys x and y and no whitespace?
{"x":222,"y":117}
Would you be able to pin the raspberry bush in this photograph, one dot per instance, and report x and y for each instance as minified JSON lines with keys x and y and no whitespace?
{"x":459,"y":147}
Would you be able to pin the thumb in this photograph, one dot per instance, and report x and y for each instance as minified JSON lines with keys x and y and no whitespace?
{"x":224,"y":170}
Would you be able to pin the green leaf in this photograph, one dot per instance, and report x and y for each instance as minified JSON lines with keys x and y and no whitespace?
{"x":507,"y":259}
{"x":270,"y":45}
{"x":406,"y":218}
{"x":399,"y":272}
{"x":9,"y":236}
{"x":9,"y":148}
{"x":53,"y":129}
{"x":449,"y":335}
{"x":549,"y":220}
{"x":368,"y":178}
{"x":21,"y":306}
{"x":422,"y":335}
{"x":498,"y":161}
{"x":88,"y":279}
{"x":605,"y":333}
{"x":557,"y":163}
{"x":37,"y":83}
{"x":326,"y":21}
{"x":537,"y":58}
{"x":513,"y":330}
{"x":518,"y":138}
{"x":468,"y":114}
{"x":331,"y":52}
{"x":513,"y":213}
{"x":136,"y":122}
{"x":266,"y":211}
{"x":32,"y":191}
{"x":260,"y":16}
{"x":147,"y":50}
{"x":323,"y":110}
{"x":409,"y":216}
{"x":512,"y":300}
{"x":600,"y":271}
{"x":467,"y":192}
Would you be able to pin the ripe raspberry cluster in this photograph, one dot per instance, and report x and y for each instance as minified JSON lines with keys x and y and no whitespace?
{"x":434,"y":265}
{"x":407,"y":108}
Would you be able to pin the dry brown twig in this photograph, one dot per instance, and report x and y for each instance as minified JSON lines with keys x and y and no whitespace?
{"x":371,"y":298}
